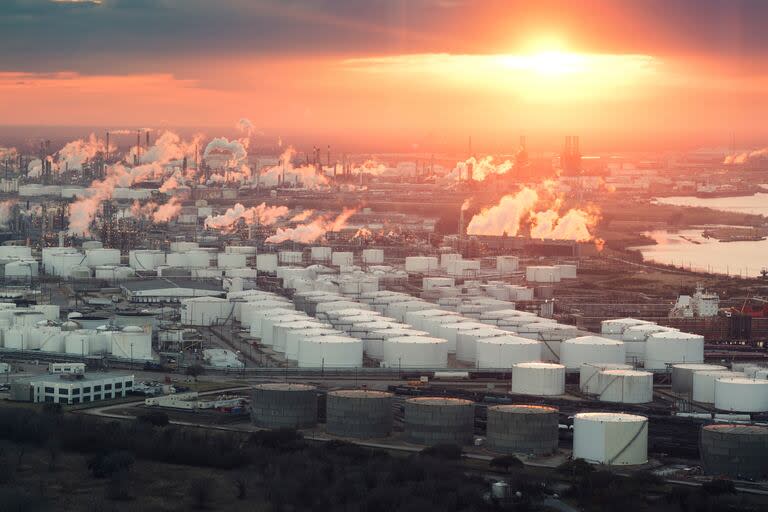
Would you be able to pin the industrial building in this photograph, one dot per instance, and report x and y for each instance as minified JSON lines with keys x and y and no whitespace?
{"x":71,"y":388}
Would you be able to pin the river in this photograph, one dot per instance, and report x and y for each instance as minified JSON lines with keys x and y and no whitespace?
{"x":756,"y":204}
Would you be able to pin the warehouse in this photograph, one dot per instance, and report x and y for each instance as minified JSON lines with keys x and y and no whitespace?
{"x":170,"y":290}
{"x":71,"y":388}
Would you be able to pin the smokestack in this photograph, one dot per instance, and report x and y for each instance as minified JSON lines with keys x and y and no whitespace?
{"x":329,"y":155}
{"x":138,"y":146}
{"x":184,"y":164}
{"x":147,"y":133}
{"x":106,"y":153}
{"x":469,"y":148}
{"x":61,"y":238}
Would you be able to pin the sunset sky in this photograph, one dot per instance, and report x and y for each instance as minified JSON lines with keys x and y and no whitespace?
{"x":619,"y":73}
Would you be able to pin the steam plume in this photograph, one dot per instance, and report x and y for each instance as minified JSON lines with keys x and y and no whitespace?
{"x":261,"y":214}
{"x":307,"y":233}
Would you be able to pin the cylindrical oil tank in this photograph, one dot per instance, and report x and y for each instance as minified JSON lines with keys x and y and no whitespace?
{"x":51,"y":339}
{"x":330,"y":352}
{"x":278,"y":316}
{"x":682,"y":376}
{"x":625,"y":386}
{"x":280,"y":331}
{"x":591,"y":349}
{"x":27,"y":318}
{"x":516,"y":323}
{"x":738,"y":394}
{"x":294,"y":338}
{"x":199,"y":259}
{"x":266,"y":262}
{"x":529,"y":429}
{"x":374,"y":342}
{"x":566,"y":270}
{"x":100,"y":257}
{"x":614,"y":439}
{"x":248,"y":250}
{"x":634,"y":338}
{"x":541,"y":379}
{"x":358,"y":413}
{"x":449,"y":332}
{"x":542,"y":274}
{"x":320,"y":253}
{"x":364,"y":328}
{"x":421,"y":264}
{"x":251,"y":309}
{"x":432,"y":324}
{"x":284,"y":405}
{"x":589,"y":375}
{"x":507,"y":264}
{"x":397,"y":310}
{"x":77,"y":342}
{"x":735,"y":451}
{"x":671,"y":347}
{"x":506,"y":351}
{"x":435,"y":420}
{"x":51,"y":312}
{"x":230,"y":260}
{"x":145,"y":259}
{"x":184,"y":246}
{"x":416,"y":318}
{"x":466,"y":342}
{"x":615,"y":327}
{"x":373,"y":256}
{"x":415,"y":352}
{"x":704,"y":384}
{"x":290,"y":257}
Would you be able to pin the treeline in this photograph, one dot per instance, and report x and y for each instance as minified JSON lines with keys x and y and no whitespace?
{"x":277,"y":467}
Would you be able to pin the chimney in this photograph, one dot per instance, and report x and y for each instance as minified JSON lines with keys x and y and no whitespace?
{"x":147,"y":133}
{"x":61,"y":238}
{"x":106,"y":153}
{"x":138,"y":146}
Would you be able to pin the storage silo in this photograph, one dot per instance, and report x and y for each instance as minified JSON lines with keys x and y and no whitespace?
{"x":736,"y":451}
{"x":421,"y":264}
{"x":50,"y":312}
{"x":50,"y":338}
{"x":230,"y":260}
{"x":415,"y":318}
{"x":284,"y":405}
{"x":323,"y":308}
{"x":589,"y":380}
{"x":358,"y":413}
{"x":281,"y":330}
{"x":492,"y":317}
{"x":540,"y":379}
{"x":738,"y":394}
{"x":373,"y":256}
{"x":27,"y":318}
{"x":398,"y":310}
{"x":507,"y":264}
{"x":614,"y":328}
{"x":374,"y":342}
{"x":320,"y":253}
{"x":435,"y":420}
{"x":277,"y":316}
{"x":567,"y":270}
{"x":625,"y":386}
{"x":415,"y":352}
{"x":145,"y":259}
{"x":466,"y":342}
{"x":528,"y":429}
{"x":330,"y":352}
{"x":591,"y":349}
{"x":614,"y":439}
{"x":506,"y":351}
{"x":251,"y":312}
{"x":663,"y":348}
{"x":77,"y":342}
{"x":432,"y":324}
{"x":290,"y":257}
{"x":101,"y":257}
{"x":704,"y":384}
{"x":682,"y":375}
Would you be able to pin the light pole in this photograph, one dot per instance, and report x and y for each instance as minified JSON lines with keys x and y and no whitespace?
{"x":131,"y":355}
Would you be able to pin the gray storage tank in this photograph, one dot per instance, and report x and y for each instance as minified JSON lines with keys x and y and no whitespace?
{"x":736,"y":451}
{"x":529,"y":429}
{"x":682,"y":375}
{"x":284,"y":405}
{"x":435,"y":420}
{"x":359,"y":413}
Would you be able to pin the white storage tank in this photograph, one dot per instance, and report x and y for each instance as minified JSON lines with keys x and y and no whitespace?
{"x":199,"y":259}
{"x":449,"y":331}
{"x":205,"y":311}
{"x":507,"y":264}
{"x":99,"y":257}
{"x":21,"y":252}
{"x":268,"y":323}
{"x":466,"y":342}
{"x":176,"y":259}
{"x":615,"y":327}
{"x":415,"y":352}
{"x":49,"y":338}
{"x":398,"y":310}
{"x":364,"y":328}
{"x":77,"y":342}
{"x":132,"y":342}
{"x":625,"y":386}
{"x":417,"y":318}
{"x":145,"y":259}
{"x":320,"y":253}
{"x":50,"y":312}
{"x":421,"y":264}
{"x":634,"y":338}
{"x":230,"y":260}
{"x":290,"y":257}
{"x":21,"y":269}
{"x":589,"y":375}
{"x":446,"y":258}
{"x":542,"y":274}
{"x":280,"y":331}
{"x":614,"y":439}
{"x":704,"y":384}
{"x":373,"y":256}
{"x":432,"y":324}
{"x":266,"y":262}
{"x":374,"y":342}
{"x":566,"y":270}
{"x":249,"y":310}
{"x":682,"y":375}
{"x":248,"y":250}
{"x":62,"y":263}
{"x":740,"y":394}
{"x":342,"y":259}
{"x":663,"y":348}
{"x":515,"y":323}
{"x":294,"y":337}
{"x":463,"y":268}
{"x":506,"y":351}
{"x":540,"y":379}
{"x":591,"y":349}
{"x":184,"y":246}
{"x":492,"y":317}
{"x":27,"y":318}
{"x":330,"y":352}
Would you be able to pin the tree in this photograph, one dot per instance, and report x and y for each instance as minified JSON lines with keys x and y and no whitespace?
{"x":105,"y":465}
{"x":201,"y":493}
{"x":719,"y":487}
{"x":195,"y":371}
{"x":154,"y":418}
{"x":506,"y":462}
{"x":575,"y":468}
{"x":241,"y":485}
{"x":444,"y":451}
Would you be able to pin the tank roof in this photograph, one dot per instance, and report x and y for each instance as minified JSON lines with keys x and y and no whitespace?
{"x":284,"y":386}
{"x":592,"y":340}
{"x":524,"y":409}
{"x":535,"y":364}
{"x":739,"y":430}
{"x":611,"y":417}
{"x":508,"y":340}
{"x":438,"y":401}
{"x":360,"y":393}
{"x":417,"y":339}
{"x":698,"y":366}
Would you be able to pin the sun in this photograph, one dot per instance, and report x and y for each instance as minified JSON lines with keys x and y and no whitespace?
{"x":557,"y":63}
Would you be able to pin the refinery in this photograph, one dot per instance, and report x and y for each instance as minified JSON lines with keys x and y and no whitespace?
{"x":379,"y":256}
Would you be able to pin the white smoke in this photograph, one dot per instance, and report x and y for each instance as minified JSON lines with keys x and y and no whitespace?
{"x":306,"y":176}
{"x":307,"y":233}
{"x":78,"y":152}
{"x":5,"y":212}
{"x":261,"y":214}
{"x":478,"y":170}
{"x":234,"y":148}
{"x":742,"y":158}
